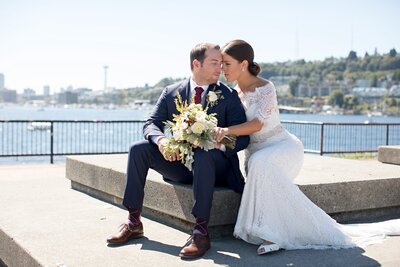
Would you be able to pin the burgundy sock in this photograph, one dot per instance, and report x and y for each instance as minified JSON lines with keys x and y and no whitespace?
{"x":134,"y":216}
{"x":201,"y":226}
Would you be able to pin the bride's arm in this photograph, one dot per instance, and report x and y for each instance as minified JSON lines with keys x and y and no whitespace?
{"x":266,"y":105}
{"x":246,"y":128}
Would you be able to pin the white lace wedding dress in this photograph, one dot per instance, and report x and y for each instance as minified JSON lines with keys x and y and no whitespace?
{"x":273,"y":208}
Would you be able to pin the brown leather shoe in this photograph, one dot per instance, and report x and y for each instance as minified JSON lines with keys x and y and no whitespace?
{"x":126,"y":232}
{"x":196,"y":246}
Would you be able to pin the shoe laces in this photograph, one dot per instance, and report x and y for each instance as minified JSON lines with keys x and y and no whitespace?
{"x":126,"y":226}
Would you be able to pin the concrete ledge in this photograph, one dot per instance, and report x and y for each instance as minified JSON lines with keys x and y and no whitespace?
{"x":103,"y":177}
{"x":389,"y":154}
{"x":14,"y":253}
{"x":357,"y":201}
{"x":348,"y":190}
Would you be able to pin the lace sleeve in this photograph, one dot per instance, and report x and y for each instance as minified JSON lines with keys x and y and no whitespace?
{"x":267,"y":102}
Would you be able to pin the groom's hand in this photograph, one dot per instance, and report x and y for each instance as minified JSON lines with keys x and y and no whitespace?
{"x":220,"y":133}
{"x":162,"y":143}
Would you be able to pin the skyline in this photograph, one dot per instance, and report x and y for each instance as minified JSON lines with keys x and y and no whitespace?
{"x":68,"y":43}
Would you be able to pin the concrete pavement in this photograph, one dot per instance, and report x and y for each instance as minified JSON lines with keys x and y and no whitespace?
{"x":44,"y":222}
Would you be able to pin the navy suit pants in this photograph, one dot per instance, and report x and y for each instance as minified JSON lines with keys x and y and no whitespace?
{"x":210,"y":168}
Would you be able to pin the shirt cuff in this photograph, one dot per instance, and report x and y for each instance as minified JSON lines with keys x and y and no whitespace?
{"x":156,"y":138}
{"x":222,"y":148}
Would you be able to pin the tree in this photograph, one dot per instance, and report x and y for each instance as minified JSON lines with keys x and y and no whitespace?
{"x":396,"y":76}
{"x":167,"y":81}
{"x":336,"y":98}
{"x":352,"y":56}
{"x":393,"y":52}
{"x":350,"y":101}
{"x":293,"y":86}
{"x":374,"y":81}
{"x":393,"y":102}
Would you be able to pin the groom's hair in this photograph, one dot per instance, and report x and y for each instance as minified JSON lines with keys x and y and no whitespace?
{"x":199,"y":52}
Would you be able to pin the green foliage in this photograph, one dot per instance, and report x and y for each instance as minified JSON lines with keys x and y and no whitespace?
{"x":336,"y":98}
{"x":338,"y":69}
{"x":374,"y":81}
{"x":352,"y":56}
{"x":350,"y":102}
{"x":358,"y":156}
{"x":293,"y":86}
{"x":167,"y":81}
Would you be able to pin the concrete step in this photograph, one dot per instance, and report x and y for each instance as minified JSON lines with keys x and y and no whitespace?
{"x":348,"y":190}
{"x":389,"y":154}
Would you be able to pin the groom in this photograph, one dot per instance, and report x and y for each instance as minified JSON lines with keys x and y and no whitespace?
{"x":219,"y":166}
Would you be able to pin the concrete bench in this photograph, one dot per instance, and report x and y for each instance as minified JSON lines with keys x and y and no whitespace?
{"x":389,"y":154}
{"x":104,"y":176}
{"x":348,"y":190}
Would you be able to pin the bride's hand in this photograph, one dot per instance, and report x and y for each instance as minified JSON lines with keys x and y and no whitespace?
{"x":220,"y":133}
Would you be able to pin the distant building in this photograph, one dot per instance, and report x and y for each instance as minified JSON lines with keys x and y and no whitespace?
{"x":394,"y":91}
{"x":363,"y":83}
{"x":372,"y":92}
{"x":369,"y":94}
{"x":9,"y":96}
{"x":282,"y":83}
{"x":68,"y":98}
{"x":46,"y":90}
{"x":2,"y":81}
{"x":29,"y":94}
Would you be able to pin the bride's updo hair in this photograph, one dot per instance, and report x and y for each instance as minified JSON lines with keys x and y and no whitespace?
{"x":241,"y":50}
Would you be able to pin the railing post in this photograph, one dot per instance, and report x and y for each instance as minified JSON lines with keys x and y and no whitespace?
{"x":51,"y":143}
{"x":321,"y":151}
{"x":387,"y":134}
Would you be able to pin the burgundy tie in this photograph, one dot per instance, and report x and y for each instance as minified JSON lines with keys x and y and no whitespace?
{"x":197,"y":97}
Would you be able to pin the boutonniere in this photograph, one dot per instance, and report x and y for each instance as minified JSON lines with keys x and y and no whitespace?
{"x":213,"y":97}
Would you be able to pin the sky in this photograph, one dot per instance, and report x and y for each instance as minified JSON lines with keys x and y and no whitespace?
{"x":63,"y":43}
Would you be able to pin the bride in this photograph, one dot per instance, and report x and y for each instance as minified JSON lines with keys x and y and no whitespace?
{"x":274,"y":213}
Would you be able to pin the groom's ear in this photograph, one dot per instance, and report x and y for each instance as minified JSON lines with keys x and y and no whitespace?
{"x":196,"y":64}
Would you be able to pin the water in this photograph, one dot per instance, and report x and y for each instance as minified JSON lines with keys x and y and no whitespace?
{"x":52,"y":113}
{"x":90,"y":137}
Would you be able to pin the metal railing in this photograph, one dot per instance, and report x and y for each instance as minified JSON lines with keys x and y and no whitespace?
{"x":330,"y":138}
{"x":21,"y":138}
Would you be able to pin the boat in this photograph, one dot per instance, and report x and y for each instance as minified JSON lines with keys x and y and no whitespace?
{"x":40,"y":126}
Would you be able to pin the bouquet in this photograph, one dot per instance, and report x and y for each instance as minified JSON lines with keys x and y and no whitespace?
{"x":192,"y":127}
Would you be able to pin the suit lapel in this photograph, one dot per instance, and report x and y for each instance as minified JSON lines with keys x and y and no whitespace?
{"x":184,"y":91}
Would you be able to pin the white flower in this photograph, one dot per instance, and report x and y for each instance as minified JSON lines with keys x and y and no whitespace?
{"x":192,"y":127}
{"x":197,"y":127}
{"x":201,"y":116}
{"x":177,"y":135}
{"x":184,"y":125}
{"x":212,"y":96}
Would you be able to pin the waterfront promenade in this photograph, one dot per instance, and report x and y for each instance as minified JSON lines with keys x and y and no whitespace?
{"x":44,"y":222}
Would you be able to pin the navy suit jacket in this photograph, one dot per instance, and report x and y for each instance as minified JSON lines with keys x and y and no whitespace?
{"x":229,"y":111}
